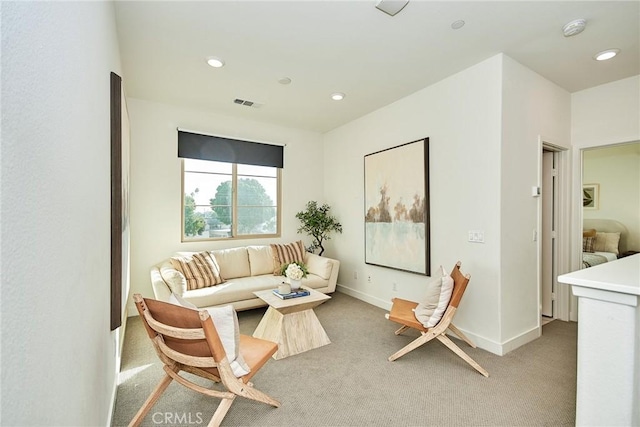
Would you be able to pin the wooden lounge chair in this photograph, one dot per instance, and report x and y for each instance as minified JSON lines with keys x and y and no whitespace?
{"x":402,"y":313}
{"x":187,"y":340}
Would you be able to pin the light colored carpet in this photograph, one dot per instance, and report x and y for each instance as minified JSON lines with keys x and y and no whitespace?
{"x":351,"y":383}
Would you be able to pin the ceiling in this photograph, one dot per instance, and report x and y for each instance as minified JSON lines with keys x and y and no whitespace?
{"x":354,"y":48}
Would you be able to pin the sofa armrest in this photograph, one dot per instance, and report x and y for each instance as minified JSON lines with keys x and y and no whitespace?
{"x":333,"y":280}
{"x":312,"y":261}
{"x":161,"y":289}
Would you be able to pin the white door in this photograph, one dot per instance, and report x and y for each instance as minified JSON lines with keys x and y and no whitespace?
{"x":549,"y":221}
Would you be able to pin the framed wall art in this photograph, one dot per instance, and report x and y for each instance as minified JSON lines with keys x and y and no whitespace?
{"x":591,"y":196}
{"x":396,"y":213}
{"x":119,"y":201}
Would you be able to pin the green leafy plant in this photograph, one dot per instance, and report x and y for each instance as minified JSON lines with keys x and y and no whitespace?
{"x":318,"y":223}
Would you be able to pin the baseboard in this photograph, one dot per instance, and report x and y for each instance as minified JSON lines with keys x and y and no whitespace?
{"x":386,"y":305}
{"x":480,"y":342}
{"x":484,"y":343}
{"x":522,"y":339}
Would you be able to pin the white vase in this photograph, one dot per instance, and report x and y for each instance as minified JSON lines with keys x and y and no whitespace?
{"x":295,"y":284}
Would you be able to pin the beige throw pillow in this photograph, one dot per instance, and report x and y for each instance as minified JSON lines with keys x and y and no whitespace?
{"x":606,"y":242}
{"x":429,"y":303}
{"x":200,"y":270}
{"x":284,"y":254}
{"x":446,"y":289}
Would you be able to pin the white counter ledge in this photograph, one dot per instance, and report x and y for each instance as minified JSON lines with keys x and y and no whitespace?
{"x":622,"y":276}
{"x":608,"y":383}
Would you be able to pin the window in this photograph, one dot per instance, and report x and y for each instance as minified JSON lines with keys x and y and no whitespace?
{"x":229,"y":200}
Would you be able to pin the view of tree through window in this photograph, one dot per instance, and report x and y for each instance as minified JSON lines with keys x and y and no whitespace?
{"x":225,"y":200}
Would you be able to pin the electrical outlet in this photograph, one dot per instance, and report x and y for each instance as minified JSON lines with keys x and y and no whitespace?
{"x":369,"y":279}
{"x":355,"y":275}
{"x":395,"y":287}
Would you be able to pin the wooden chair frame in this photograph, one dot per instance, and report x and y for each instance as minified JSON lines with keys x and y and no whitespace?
{"x":402,"y":313}
{"x":187,"y":340}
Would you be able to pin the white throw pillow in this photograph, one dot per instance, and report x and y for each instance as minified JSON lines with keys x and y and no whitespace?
{"x":233,"y":262}
{"x":446,"y":289}
{"x":429,"y":303}
{"x":225,"y":320}
{"x":260,"y":260}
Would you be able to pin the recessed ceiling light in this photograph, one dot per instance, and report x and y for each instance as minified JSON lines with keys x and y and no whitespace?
{"x":574,"y":27}
{"x":606,"y":54}
{"x":337,"y":96}
{"x":284,"y":80}
{"x":456,"y":25}
{"x":215,"y":62}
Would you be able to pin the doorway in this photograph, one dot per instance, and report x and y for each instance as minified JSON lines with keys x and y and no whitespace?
{"x":549,"y":248}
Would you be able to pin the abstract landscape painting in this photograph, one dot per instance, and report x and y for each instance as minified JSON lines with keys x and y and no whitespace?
{"x":397,"y":207}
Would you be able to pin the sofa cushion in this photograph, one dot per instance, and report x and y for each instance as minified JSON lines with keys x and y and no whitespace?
{"x":260,"y":260}
{"x":199,"y":269}
{"x":318,"y":265}
{"x":233,"y":262}
{"x":172,"y":277}
{"x":284,"y":254}
{"x":233,"y":290}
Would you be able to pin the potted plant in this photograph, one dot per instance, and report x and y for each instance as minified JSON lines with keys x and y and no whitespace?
{"x":318,"y":223}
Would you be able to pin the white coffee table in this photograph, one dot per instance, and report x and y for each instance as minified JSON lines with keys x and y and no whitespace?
{"x":292,"y":323}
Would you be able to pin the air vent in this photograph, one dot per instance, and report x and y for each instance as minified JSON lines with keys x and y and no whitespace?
{"x":247,"y":103}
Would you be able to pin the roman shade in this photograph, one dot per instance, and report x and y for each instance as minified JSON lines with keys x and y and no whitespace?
{"x":207,"y":147}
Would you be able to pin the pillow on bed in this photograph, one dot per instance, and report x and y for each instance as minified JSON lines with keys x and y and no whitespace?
{"x":587,"y":244}
{"x":589,"y":233}
{"x":606,"y":242}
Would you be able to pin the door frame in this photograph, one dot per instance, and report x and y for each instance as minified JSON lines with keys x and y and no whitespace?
{"x":563,"y":229}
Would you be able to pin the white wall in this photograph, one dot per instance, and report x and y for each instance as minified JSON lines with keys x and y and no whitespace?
{"x":156,"y":180}
{"x":606,"y":114}
{"x":483,"y":124}
{"x":616,"y":169}
{"x":531,"y":107}
{"x":602,"y":115}
{"x":461,"y":117}
{"x":58,"y":354}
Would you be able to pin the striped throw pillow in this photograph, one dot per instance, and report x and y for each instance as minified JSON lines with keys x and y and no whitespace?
{"x":200,"y":269}
{"x":284,"y":254}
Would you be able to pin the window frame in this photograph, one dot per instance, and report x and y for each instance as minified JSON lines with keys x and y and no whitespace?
{"x":234,"y":209}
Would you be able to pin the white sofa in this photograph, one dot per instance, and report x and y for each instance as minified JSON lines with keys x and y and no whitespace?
{"x":245,"y":270}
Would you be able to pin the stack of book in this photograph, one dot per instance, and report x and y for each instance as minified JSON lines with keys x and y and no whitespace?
{"x":292,"y":294}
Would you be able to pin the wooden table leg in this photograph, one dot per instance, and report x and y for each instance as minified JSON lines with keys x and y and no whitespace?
{"x":294,"y":332}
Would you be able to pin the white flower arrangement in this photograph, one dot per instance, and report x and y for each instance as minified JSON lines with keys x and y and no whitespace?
{"x":295,"y":270}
